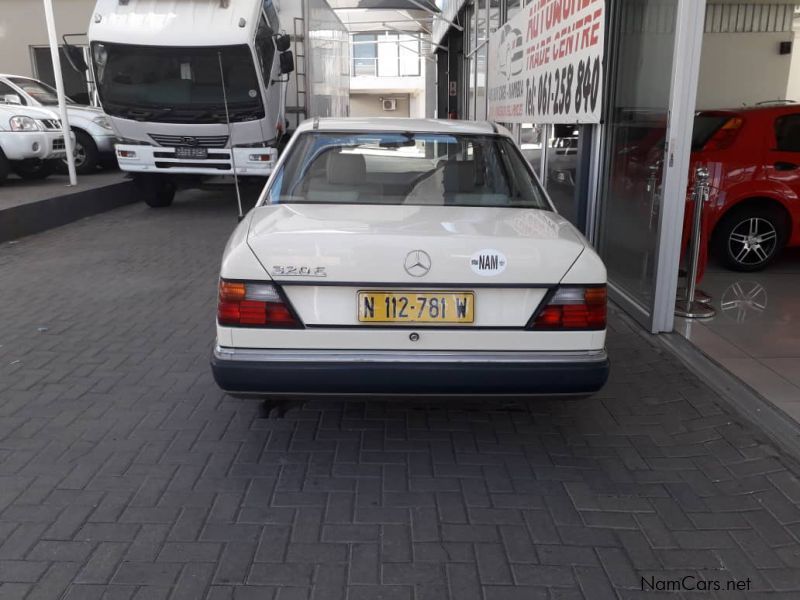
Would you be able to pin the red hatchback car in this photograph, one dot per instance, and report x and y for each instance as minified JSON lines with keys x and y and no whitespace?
{"x":753,"y":156}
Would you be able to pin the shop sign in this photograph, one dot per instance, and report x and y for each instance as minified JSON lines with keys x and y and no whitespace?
{"x":546,"y":64}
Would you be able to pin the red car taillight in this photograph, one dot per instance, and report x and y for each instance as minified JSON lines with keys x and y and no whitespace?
{"x":725,"y":135}
{"x":573,"y":308}
{"x":253,"y":304}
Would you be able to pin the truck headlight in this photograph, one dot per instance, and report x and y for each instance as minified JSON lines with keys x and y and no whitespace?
{"x":23,"y":123}
{"x":102,"y":122}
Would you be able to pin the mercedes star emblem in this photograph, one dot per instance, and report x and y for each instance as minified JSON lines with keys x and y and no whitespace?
{"x":418,"y":263}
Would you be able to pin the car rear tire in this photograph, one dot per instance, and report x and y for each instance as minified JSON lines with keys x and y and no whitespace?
{"x":87,"y":157}
{"x":751,"y":237}
{"x":34,"y":169}
{"x":5,"y":167}
{"x":158,"y":191}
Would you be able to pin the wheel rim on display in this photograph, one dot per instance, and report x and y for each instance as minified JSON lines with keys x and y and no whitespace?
{"x":79,"y":153}
{"x":752,"y":241}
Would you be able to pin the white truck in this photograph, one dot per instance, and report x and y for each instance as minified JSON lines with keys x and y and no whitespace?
{"x":205,"y":88}
{"x":31,"y":141}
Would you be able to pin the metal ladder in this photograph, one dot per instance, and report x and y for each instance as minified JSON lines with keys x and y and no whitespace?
{"x":299,"y":110}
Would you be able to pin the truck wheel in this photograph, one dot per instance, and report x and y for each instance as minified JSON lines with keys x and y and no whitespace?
{"x":34,"y":169}
{"x":109,"y":162}
{"x":5,"y":167}
{"x":158,"y":191}
{"x":87,"y":156}
{"x":749,"y":238}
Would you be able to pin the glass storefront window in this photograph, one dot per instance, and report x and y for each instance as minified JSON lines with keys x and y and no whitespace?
{"x":562,"y":169}
{"x":408,"y":50}
{"x":512,"y":8}
{"x":388,"y":65}
{"x":480,"y":83}
{"x":385,"y":54}
{"x":365,"y":54}
{"x":494,"y":16}
{"x":636,"y":127}
{"x":531,"y":140}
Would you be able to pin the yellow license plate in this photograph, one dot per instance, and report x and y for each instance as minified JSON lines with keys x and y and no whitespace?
{"x":416,"y":307}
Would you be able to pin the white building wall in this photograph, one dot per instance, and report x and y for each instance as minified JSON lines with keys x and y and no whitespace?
{"x":746,"y":68}
{"x":793,"y":89}
{"x":22,"y":25}
{"x":370,"y":105}
{"x":741,"y":62}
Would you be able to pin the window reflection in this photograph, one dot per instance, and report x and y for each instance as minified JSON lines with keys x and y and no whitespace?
{"x":562,"y":165}
{"x":532,"y":143}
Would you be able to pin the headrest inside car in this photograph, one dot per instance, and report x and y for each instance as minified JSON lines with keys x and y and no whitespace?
{"x":459,"y":177}
{"x":346,"y":169}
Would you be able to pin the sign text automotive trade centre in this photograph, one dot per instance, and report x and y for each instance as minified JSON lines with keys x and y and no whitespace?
{"x":546,"y":64}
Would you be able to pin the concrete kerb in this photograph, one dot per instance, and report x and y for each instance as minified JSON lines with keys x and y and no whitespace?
{"x":41,"y":215}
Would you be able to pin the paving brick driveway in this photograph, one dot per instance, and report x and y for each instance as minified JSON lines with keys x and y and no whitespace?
{"x":125,"y":473}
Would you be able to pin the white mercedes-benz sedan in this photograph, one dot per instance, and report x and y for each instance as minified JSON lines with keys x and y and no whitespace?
{"x":405,"y":256}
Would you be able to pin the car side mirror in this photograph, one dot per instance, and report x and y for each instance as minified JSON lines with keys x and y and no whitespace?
{"x":287,"y":62}
{"x":75,"y":58}
{"x":12,"y":99}
{"x":283,"y":42}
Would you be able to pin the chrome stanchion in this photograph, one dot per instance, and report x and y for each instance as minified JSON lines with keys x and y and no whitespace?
{"x":699,"y":295}
{"x":689,"y":307}
{"x":652,"y":188}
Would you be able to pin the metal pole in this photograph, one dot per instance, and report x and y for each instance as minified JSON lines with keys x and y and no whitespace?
{"x":62,"y":99}
{"x":689,"y":307}
{"x":230,"y":137}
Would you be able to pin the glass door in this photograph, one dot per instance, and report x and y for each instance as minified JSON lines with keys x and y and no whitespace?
{"x":640,"y":193}
{"x":638,"y":103}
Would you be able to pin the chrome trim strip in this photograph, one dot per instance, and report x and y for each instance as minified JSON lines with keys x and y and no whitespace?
{"x":416,"y":356}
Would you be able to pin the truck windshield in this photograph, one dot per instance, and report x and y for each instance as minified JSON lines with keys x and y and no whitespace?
{"x":176,"y":84}
{"x":406,"y":168}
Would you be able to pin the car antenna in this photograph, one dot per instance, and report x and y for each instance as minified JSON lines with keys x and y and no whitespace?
{"x":230,"y":136}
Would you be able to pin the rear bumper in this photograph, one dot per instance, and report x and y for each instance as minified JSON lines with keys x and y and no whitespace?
{"x":266,"y":372}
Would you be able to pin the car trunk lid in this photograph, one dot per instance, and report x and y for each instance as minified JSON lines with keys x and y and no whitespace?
{"x":413,"y":245}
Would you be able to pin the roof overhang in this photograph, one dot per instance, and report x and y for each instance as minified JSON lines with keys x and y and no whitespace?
{"x":414,"y":16}
{"x":384,"y":5}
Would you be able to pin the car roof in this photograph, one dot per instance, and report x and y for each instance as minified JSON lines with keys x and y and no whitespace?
{"x":392,"y":124}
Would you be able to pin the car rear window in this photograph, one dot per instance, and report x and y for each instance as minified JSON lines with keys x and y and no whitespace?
{"x":705,"y":126}
{"x":406,"y":168}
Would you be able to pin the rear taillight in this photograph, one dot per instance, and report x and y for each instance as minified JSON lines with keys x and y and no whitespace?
{"x":573,"y":308}
{"x":254,"y":305}
{"x":725,"y":135}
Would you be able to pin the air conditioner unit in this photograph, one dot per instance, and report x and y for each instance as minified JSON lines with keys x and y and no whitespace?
{"x":390,"y":104}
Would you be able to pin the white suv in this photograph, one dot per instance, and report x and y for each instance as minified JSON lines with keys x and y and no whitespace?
{"x":31,"y":141}
{"x":94,"y":138}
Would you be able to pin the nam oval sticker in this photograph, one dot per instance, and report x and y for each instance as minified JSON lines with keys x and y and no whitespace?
{"x":488,"y":263}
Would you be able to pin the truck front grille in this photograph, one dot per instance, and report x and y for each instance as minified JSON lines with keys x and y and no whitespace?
{"x":59,"y":144}
{"x":202,"y":141}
